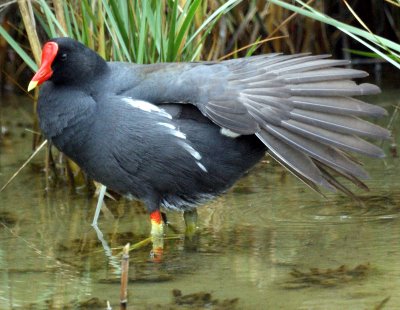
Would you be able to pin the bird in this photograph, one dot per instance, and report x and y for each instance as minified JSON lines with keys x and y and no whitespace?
{"x":176,"y":135}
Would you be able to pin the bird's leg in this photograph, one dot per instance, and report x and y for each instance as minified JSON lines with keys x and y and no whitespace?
{"x":190,"y":217}
{"x":191,"y":235}
{"x":157,"y":235}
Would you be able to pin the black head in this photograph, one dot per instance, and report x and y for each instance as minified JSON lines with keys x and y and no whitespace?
{"x":67,"y":61}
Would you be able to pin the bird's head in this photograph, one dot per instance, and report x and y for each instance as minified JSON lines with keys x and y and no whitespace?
{"x":66,"y":61}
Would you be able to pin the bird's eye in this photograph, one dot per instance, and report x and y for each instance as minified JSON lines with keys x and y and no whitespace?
{"x":63,"y":57}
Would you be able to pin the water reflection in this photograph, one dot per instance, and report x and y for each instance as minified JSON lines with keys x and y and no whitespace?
{"x":254,"y":244}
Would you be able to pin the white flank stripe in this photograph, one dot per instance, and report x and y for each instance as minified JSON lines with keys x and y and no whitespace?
{"x":191,"y":150}
{"x":173,"y":131}
{"x":202,"y":166}
{"x":229,"y":133}
{"x":146,"y":106}
{"x":168,"y":125}
{"x":179,"y":134}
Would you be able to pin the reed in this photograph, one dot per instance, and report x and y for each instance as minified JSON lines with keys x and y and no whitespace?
{"x":136,"y":31}
{"x":189,"y":30}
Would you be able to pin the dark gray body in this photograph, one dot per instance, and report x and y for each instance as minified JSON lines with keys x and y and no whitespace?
{"x":154,"y":131}
{"x":124,"y":148}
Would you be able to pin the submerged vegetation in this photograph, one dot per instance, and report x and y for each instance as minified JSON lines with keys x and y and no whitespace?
{"x":326,"y":278}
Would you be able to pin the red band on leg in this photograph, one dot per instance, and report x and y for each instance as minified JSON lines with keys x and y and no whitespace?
{"x":156,"y":216}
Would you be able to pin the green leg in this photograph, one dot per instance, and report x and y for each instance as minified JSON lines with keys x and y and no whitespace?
{"x":157,"y":236}
{"x":190,"y":218}
{"x":191,"y":232}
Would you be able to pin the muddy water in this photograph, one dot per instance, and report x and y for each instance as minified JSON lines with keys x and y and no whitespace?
{"x":269,"y":243}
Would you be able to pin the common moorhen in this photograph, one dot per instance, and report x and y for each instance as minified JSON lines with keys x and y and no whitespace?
{"x":175,"y":135}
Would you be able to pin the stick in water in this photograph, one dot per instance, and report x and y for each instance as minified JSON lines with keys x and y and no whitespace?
{"x":124,"y":278}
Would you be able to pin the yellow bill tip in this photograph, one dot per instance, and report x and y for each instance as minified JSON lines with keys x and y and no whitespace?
{"x":32,"y":85}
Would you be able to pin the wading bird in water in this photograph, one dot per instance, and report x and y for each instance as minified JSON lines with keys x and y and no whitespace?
{"x":175,"y":135}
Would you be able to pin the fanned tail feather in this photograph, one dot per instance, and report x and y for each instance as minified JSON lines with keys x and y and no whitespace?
{"x":301,"y":108}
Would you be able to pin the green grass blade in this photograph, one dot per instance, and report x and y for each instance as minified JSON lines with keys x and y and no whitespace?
{"x":196,"y":53}
{"x":154,"y":31}
{"x":117,"y":12}
{"x":159,"y":38}
{"x":143,"y":32}
{"x":118,"y":38}
{"x":52,"y":20}
{"x":367,"y":54}
{"x":76,"y":32}
{"x":186,"y":23}
{"x":86,"y":37}
{"x":212,"y":18}
{"x":115,"y":53}
{"x":384,"y":56}
{"x":171,"y":54}
{"x":253,"y":48}
{"x":89,"y":22}
{"x":133,"y":41}
{"x":42,"y":22}
{"x":68,"y":19}
{"x":17,"y":48}
{"x":333,"y":22}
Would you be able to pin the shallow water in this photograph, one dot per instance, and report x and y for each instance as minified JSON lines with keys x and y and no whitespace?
{"x":269,"y":242}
